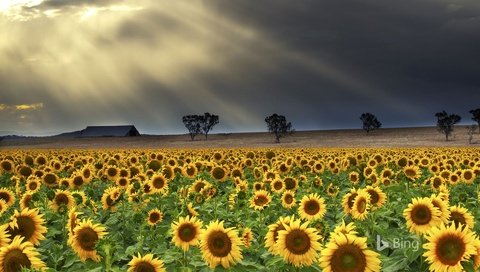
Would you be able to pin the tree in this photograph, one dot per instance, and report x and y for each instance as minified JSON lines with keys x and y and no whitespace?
{"x":370,"y":122}
{"x":194,"y":124}
{"x":277,"y":124}
{"x":208,"y":122}
{"x":471,"y":130}
{"x":446,"y":122}
{"x":476,"y":116}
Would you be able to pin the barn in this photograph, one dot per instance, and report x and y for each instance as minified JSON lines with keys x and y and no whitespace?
{"x":110,"y":131}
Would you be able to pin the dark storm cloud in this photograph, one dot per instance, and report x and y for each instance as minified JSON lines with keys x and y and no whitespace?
{"x":321,"y":63}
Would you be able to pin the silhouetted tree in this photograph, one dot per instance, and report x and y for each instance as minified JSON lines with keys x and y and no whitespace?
{"x":370,"y":122}
{"x":471,"y":130}
{"x":194,"y":124}
{"x":277,"y":124}
{"x":208,"y":122}
{"x":476,"y":116}
{"x":446,"y":122}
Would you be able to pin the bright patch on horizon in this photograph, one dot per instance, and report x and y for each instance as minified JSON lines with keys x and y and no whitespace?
{"x":22,"y":107}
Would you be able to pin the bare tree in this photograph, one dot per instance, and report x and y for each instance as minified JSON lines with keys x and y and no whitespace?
{"x":446,"y":122}
{"x":208,"y":122}
{"x":370,"y":122}
{"x":194,"y":124}
{"x":278,"y":125}
{"x":476,"y":116}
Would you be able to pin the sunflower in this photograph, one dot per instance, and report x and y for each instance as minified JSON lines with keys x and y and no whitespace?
{"x":33,"y":185}
{"x":461,"y":216}
{"x":468,"y":176}
{"x":348,"y":200}
{"x":288,"y":199}
{"x":154,"y":216}
{"x":146,"y":263}
{"x":190,"y":170}
{"x":198,"y":185}
{"x":50,"y":179}
{"x":421,"y":215}
{"x":7,"y":166}
{"x":191,"y":210}
{"x":110,"y":197}
{"x":377,"y":196}
{"x":84,"y":239}
{"x":122,"y":182}
{"x":354,"y":177}
{"x":436,"y":182}
{"x":345,"y":229}
{"x":220,"y":245}
{"x":277,"y":185}
{"x":298,"y":244}
{"x":290,"y":183}
{"x":442,"y":206}
{"x":62,"y":199}
{"x":361,"y":205}
{"x":80,"y":197}
{"x":219,"y":173}
{"x":77,"y":181}
{"x":186,"y":232}
{"x":272,"y":235}
{"x":72,"y":220}
{"x":28,"y":224}
{"x":158,"y":183}
{"x":260,"y":200}
{"x":4,"y":236}
{"x":27,"y":201}
{"x":347,"y":252}
{"x":332,"y":190}
{"x":20,"y":255}
{"x":112,"y":172}
{"x":411,"y":172}
{"x":247,"y":237}
{"x":312,"y":207}
{"x":448,"y":246}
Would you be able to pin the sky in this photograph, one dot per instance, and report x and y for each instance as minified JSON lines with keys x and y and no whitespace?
{"x":66,"y":64}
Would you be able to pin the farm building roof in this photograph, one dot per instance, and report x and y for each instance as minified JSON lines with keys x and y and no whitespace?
{"x":109,"y":131}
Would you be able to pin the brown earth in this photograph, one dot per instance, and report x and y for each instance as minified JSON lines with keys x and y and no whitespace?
{"x":386,"y":137}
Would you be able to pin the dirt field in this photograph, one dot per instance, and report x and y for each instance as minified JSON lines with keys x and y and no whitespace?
{"x":387,"y":137}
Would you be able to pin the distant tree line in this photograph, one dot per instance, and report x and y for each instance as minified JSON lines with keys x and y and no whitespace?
{"x":277,"y":124}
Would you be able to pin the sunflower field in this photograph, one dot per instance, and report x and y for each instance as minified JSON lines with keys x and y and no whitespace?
{"x":275,"y":209}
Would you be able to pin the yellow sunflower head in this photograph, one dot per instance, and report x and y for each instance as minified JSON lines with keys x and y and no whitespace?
{"x":448,"y":246}
{"x":247,"y":237}
{"x":461,"y":216}
{"x":62,"y":199}
{"x":298,"y":244}
{"x":348,"y":200}
{"x":361,"y":205}
{"x":186,"y":232}
{"x":312,"y":207}
{"x":272,"y":234}
{"x":421,"y":215}
{"x":18,"y":255}
{"x":220,"y":246}
{"x":28,"y":224}
{"x":346,"y":252}
{"x":288,"y":199}
{"x":345,"y":229}
{"x":154,"y":216}
{"x":84,"y":239}
{"x":377,"y":196}
{"x":260,"y":200}
{"x":146,"y":263}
